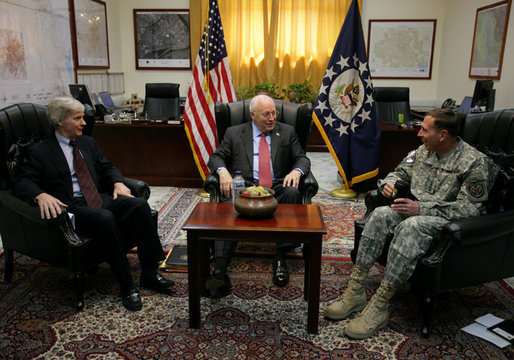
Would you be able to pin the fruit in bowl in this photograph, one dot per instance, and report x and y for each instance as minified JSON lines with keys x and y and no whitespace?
{"x":256,"y":202}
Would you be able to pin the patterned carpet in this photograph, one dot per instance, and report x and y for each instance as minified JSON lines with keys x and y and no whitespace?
{"x":257,"y":321}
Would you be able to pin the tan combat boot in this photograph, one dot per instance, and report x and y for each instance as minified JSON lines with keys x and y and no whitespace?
{"x":374,"y":316}
{"x":353,"y":298}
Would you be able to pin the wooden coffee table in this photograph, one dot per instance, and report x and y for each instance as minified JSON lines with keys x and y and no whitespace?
{"x":290,"y":222}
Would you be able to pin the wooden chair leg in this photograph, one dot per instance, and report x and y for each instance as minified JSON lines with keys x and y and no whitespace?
{"x":9,"y":265}
{"x":79,"y":282}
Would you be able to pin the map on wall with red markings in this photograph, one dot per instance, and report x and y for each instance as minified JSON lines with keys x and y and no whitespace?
{"x":36,"y":62}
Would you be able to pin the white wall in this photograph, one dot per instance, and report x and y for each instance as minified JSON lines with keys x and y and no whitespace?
{"x":452,"y":48}
{"x":422,"y":92}
{"x":457,"y":44}
{"x":122,"y":46}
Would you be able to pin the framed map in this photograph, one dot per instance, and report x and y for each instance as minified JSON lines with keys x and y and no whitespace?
{"x":401,"y":49}
{"x":489,"y":40}
{"x":162,"y":39}
{"x":89,"y":34}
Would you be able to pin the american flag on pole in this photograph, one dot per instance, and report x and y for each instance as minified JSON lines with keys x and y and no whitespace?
{"x":345,"y":112}
{"x":211,"y":82}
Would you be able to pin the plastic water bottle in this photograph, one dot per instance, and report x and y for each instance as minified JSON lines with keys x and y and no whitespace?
{"x":239,"y":184}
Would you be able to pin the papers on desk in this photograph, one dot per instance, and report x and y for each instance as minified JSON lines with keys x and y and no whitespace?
{"x":479,"y":328}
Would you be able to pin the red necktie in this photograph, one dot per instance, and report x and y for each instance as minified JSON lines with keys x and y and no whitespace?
{"x":265,"y":179}
{"x":87,"y":185}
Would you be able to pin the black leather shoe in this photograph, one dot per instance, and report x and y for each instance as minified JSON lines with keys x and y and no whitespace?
{"x":132,"y":301}
{"x":280,"y":273}
{"x":218,"y":284}
{"x":156,"y":282}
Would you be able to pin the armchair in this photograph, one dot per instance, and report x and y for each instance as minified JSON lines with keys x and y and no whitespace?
{"x":22,"y":229}
{"x":475,"y":250}
{"x":392,"y":101}
{"x":296,"y":115}
{"x":162,"y":101}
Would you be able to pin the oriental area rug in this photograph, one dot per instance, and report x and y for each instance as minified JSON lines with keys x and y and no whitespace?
{"x":257,"y":320}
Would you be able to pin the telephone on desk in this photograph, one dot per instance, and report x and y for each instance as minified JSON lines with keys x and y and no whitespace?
{"x":101,"y":110}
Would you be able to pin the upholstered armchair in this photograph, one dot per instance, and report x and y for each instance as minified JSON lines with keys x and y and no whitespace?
{"x":296,"y":115}
{"x":22,"y":229}
{"x":475,"y":250}
{"x":162,"y":101}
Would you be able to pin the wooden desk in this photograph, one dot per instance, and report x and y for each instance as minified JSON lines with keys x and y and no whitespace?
{"x":210,"y":220}
{"x":156,"y":153}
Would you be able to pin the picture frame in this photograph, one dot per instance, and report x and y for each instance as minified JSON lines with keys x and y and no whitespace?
{"x":90,"y":40}
{"x":489,"y":35}
{"x":161,"y":39}
{"x":387,"y":56}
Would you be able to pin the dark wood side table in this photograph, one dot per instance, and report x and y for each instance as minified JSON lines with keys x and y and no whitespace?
{"x":210,"y":220}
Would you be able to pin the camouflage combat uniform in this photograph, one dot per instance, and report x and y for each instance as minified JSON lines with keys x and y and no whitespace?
{"x":448,"y":188}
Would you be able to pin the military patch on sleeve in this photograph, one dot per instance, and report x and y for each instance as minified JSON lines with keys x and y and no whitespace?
{"x":476,"y":190}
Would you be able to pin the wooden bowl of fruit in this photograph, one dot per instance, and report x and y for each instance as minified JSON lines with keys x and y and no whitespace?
{"x":256,"y":202}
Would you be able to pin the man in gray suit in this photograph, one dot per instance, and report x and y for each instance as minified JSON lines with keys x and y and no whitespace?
{"x":241,"y":149}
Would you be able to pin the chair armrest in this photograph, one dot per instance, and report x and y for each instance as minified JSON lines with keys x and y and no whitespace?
{"x":138,"y":188}
{"x":212,"y":186}
{"x":308,"y":187}
{"x":32,"y":213}
{"x":374,"y":199}
{"x":469,"y":232}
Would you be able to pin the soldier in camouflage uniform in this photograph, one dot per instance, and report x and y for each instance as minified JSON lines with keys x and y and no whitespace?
{"x":450,"y":180}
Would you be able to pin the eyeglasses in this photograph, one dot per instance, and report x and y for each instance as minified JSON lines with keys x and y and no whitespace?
{"x":268,"y":114}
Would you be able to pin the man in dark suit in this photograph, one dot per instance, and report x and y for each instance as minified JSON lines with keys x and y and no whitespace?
{"x":68,"y":170}
{"x":269,"y":154}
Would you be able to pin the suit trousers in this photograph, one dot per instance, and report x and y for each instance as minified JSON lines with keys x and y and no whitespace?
{"x":125,"y":220}
{"x":224,"y":250}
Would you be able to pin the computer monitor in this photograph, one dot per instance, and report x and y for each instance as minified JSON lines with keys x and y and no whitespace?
{"x":95,"y":99}
{"x":106,"y":99}
{"x":484,"y":94}
{"x":81,"y":93}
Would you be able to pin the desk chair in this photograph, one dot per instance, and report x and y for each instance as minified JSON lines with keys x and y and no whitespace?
{"x":162,"y":101}
{"x":392,"y":101}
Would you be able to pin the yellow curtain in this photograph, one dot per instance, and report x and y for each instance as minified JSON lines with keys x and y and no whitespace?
{"x":283,"y":41}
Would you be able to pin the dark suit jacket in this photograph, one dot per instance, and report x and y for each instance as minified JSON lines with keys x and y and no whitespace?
{"x":236,"y":152}
{"x":47,"y":170}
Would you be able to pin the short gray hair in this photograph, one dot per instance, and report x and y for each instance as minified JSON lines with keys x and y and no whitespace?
{"x":256,"y":99}
{"x":60,"y":107}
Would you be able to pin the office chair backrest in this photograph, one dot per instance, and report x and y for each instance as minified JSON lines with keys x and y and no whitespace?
{"x":392,"y":101}
{"x":162,"y":101}
{"x":297,"y":115}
